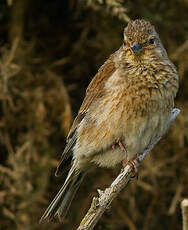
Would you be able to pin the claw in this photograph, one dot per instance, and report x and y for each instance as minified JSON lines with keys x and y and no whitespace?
{"x":124,"y":163}
{"x":132,"y":164}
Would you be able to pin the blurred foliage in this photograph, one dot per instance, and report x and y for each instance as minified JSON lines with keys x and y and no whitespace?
{"x":50,"y":50}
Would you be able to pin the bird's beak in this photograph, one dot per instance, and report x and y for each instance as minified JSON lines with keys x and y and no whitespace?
{"x":137,"y":48}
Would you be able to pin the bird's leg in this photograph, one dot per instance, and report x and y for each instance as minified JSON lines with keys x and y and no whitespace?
{"x":125,"y":162}
{"x":121,"y":145}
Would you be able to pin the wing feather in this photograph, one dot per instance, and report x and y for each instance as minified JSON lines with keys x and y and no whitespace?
{"x":93,"y":91}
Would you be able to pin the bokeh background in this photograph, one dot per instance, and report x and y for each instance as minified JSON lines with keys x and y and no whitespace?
{"x":49,"y":52}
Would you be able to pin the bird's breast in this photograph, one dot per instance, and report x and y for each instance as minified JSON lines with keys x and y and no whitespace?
{"x":131,"y":108}
{"x":136,"y":93}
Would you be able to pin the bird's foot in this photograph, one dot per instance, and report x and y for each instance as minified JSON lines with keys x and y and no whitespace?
{"x":132,"y":164}
{"x":124,"y":163}
{"x":120,"y":144}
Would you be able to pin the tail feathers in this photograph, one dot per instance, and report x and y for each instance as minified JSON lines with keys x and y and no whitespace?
{"x":67,"y":200}
{"x":61,"y":203}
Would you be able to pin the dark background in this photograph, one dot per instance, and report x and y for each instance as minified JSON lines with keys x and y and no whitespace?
{"x":49,"y":52}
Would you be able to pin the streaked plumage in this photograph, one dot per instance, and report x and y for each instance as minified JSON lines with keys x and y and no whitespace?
{"x":129,"y":100}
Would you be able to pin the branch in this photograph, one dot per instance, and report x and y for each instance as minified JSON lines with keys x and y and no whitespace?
{"x":184,"y":207}
{"x":101,"y":203}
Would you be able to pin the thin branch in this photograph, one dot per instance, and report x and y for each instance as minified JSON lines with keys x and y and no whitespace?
{"x":115,"y":8}
{"x":101,"y":203}
{"x":184,"y":207}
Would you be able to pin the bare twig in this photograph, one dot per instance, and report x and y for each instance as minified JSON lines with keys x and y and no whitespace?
{"x":175,"y":200}
{"x":184,"y":207}
{"x":115,"y":8}
{"x":101,"y":203}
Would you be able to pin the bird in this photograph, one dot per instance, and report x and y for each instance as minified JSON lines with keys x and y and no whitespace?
{"x":126,"y":105}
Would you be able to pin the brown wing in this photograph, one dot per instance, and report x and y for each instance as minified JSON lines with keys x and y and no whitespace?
{"x":93,"y":91}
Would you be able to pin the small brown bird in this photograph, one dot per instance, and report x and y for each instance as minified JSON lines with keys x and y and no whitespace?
{"x":127,"y":104}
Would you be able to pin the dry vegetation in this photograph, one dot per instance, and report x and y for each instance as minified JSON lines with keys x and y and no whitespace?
{"x":49,"y":53}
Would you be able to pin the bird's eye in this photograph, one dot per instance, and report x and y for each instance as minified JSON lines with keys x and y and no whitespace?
{"x":124,"y":43}
{"x":151,"y":41}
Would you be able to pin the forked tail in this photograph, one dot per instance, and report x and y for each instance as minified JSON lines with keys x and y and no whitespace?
{"x":61,"y":203}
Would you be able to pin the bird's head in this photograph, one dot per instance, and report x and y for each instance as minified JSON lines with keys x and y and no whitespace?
{"x":141,"y":41}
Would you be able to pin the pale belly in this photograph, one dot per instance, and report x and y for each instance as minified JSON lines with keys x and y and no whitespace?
{"x":136,"y":138}
{"x":95,"y":140}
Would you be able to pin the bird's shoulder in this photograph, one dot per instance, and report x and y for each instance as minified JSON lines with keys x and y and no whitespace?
{"x":94,"y":91}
